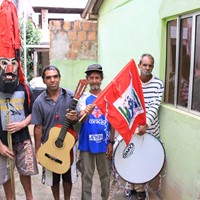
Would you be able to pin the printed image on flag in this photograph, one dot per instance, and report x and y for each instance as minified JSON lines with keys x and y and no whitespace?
{"x":122,"y":102}
{"x":129,"y":105}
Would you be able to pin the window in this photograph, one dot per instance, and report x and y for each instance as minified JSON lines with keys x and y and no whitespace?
{"x":182,"y":86}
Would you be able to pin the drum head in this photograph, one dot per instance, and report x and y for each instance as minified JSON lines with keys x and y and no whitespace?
{"x":141,"y":160}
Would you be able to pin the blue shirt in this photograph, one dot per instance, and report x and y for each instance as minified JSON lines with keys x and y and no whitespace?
{"x":95,"y":131}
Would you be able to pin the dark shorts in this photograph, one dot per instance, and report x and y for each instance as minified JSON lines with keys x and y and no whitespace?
{"x":51,"y":178}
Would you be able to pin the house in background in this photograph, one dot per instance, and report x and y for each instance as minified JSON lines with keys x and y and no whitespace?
{"x":41,"y":12}
{"x":72,"y":40}
{"x":170,"y":31}
{"x":124,"y":30}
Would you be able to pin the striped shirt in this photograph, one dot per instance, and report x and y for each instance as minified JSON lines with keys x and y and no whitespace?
{"x":153,"y":91}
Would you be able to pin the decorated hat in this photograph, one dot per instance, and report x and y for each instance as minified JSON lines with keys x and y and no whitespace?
{"x":10,"y":42}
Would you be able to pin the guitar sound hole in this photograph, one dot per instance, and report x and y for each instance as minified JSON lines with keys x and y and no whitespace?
{"x":53,"y":158}
{"x":59,"y":143}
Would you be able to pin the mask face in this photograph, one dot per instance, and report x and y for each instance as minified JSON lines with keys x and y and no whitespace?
{"x":8,"y":75}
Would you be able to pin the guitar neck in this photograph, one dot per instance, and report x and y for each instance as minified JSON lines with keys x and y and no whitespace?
{"x":67,"y":122}
{"x":66,"y":125}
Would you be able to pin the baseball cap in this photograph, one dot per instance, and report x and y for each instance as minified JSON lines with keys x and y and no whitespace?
{"x":94,"y":67}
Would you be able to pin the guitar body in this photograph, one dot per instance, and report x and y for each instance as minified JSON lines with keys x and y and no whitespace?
{"x":56,"y":159}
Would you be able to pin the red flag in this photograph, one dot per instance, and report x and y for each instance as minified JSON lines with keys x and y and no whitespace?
{"x":122,"y":102}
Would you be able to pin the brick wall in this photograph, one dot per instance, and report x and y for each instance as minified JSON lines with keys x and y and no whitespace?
{"x":73,"y":40}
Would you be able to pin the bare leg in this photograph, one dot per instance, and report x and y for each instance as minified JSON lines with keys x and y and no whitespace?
{"x":67,"y":190}
{"x":56,"y":191}
{"x":7,"y":189}
{"x":26,"y":183}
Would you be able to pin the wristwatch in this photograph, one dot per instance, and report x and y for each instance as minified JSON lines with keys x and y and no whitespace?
{"x":112,"y":142}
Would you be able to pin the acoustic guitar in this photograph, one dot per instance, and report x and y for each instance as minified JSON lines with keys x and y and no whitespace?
{"x":54,"y":154}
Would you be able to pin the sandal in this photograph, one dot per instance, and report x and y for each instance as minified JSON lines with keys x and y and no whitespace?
{"x":141,"y":195}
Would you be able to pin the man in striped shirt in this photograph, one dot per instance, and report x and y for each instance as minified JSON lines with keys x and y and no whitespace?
{"x":153,"y":89}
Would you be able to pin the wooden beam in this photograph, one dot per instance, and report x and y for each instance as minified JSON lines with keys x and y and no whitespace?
{"x":59,"y":10}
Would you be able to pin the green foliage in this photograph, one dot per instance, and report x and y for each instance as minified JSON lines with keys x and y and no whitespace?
{"x":32,"y":38}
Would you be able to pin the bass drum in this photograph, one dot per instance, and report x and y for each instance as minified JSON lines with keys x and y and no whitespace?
{"x":140,"y":161}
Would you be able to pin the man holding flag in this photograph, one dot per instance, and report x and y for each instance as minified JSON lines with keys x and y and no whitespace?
{"x":96,"y":137}
{"x":153,"y":90}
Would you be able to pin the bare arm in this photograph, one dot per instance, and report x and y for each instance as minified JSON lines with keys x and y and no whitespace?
{"x":37,"y":136}
{"x":109,"y":151}
{"x":112,"y":133}
{"x":17,"y":126}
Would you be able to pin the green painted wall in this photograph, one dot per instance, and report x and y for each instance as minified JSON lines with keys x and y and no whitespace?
{"x":127,"y":29}
{"x":123,"y":36}
{"x":181,"y":137}
{"x":72,"y":71}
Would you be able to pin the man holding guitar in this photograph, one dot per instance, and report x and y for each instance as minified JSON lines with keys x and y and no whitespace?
{"x":51,"y":109}
{"x":96,"y":137}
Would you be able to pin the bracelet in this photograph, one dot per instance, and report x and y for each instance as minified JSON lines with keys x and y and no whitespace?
{"x":112,"y":142}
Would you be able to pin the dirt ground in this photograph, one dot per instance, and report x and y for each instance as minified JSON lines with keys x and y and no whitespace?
{"x":43,"y":192}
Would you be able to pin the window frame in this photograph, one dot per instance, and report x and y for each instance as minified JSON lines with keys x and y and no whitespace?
{"x":177,"y":60}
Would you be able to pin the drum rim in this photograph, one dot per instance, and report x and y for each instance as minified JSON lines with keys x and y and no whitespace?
{"x":154,"y":176}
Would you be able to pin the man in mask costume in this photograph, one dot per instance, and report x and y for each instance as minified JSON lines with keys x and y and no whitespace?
{"x":16,"y":101}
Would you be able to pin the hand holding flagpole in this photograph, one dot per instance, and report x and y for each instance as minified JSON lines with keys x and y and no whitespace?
{"x":88,"y":110}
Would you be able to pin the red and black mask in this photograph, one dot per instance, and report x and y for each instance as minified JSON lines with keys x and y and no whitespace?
{"x":9,"y":78}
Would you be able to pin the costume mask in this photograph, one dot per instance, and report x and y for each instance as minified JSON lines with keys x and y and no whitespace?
{"x":8,"y":75}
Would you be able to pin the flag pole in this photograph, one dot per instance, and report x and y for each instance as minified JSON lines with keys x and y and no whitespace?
{"x":82,"y":117}
{"x":11,"y":162}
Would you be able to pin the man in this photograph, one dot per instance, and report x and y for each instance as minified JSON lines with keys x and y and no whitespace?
{"x":15,"y":117}
{"x":49,"y":110}
{"x":96,"y":137}
{"x":16,"y":101}
{"x":153,"y":90}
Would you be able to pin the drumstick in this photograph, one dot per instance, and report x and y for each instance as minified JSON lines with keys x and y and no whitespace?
{"x":11,"y":163}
